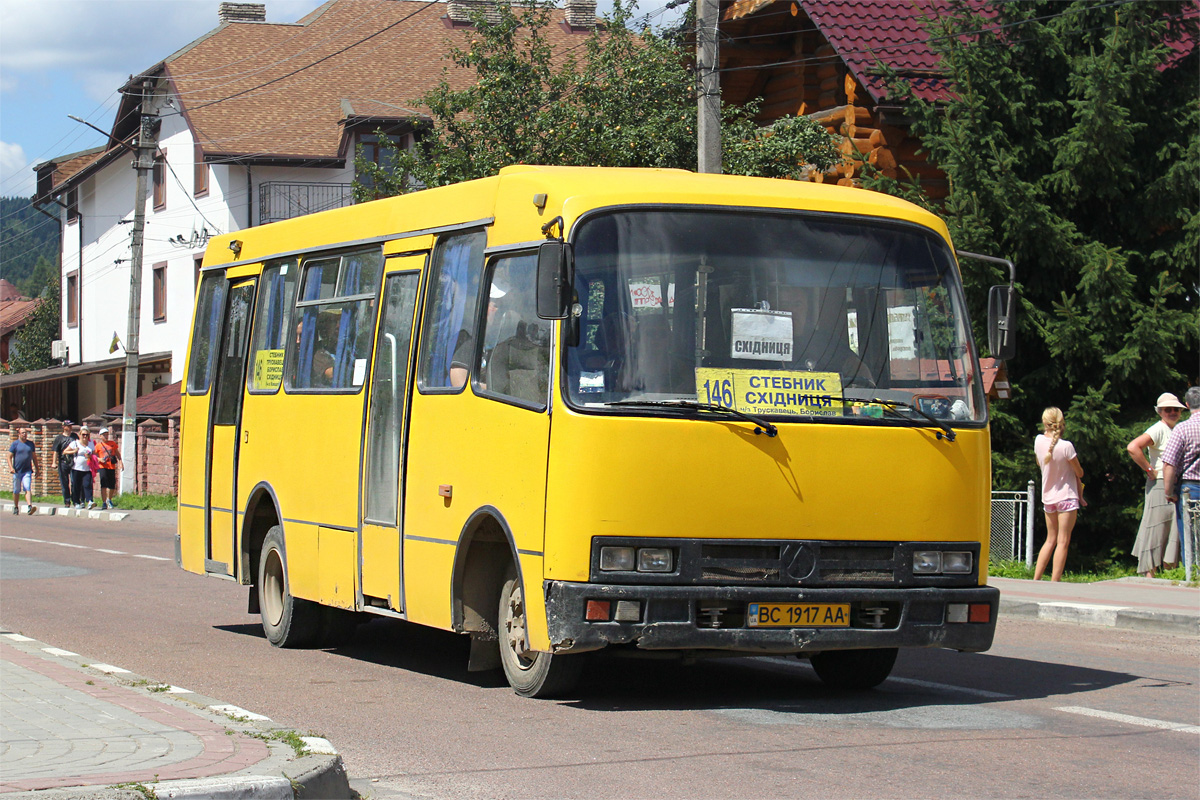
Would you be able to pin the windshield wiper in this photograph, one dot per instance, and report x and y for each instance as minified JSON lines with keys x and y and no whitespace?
{"x":761,"y":425}
{"x":893,"y":405}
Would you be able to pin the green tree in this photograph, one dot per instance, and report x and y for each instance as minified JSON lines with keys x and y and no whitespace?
{"x":625,"y":99}
{"x":1070,"y":146}
{"x":30,"y":347}
{"x":29,"y":243}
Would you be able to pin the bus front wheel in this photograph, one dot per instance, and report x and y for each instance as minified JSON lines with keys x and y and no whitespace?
{"x":854,"y":670}
{"x":529,"y":672}
{"x":286,"y":620}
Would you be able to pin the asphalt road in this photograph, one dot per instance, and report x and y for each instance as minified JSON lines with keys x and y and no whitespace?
{"x":1052,"y":710}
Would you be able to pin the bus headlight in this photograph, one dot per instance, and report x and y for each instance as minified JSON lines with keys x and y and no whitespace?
{"x":957,"y":563}
{"x":613,"y":559}
{"x":654,"y":559}
{"x":927,"y":562}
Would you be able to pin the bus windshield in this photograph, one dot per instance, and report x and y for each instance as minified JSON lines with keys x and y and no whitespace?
{"x":787,"y":316}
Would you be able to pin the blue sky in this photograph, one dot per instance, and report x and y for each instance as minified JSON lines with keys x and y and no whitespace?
{"x":60,"y":57}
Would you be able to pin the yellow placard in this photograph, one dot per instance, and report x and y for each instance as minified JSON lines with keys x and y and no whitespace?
{"x":268,"y":369}
{"x":755,"y":391}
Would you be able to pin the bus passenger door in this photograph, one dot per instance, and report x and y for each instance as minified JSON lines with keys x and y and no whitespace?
{"x":387,"y":423}
{"x":225,"y":422}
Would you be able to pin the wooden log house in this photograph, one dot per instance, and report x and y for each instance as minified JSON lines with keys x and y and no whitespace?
{"x":820,"y":58}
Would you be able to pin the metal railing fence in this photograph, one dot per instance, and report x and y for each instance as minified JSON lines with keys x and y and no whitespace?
{"x":1012,"y":525}
{"x":279,"y":200}
{"x":1190,"y":535}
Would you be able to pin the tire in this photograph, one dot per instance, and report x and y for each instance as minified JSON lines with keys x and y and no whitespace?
{"x":287,"y":621}
{"x":530,"y":673}
{"x":854,"y":670}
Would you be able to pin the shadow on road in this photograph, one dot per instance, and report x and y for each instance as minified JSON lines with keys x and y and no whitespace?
{"x":614,"y":682}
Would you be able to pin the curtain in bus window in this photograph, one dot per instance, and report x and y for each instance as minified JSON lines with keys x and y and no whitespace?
{"x":308,"y":327}
{"x":345,"y":355}
{"x":450,"y":324}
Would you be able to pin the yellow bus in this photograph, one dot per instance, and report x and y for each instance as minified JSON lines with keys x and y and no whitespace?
{"x":568,"y":409}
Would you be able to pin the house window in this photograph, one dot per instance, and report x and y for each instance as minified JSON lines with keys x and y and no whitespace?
{"x":160,"y":291}
{"x":160,"y":180}
{"x":375,"y":149}
{"x":72,"y":206}
{"x":72,"y":303}
{"x":200,"y":174}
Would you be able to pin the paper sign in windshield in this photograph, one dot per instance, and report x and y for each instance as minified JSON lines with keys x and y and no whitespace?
{"x":268,"y":369}
{"x":761,"y":335}
{"x":766,"y":391}
{"x":648,"y":294}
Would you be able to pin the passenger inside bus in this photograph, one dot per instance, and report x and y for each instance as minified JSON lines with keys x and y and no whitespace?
{"x":324,"y":353}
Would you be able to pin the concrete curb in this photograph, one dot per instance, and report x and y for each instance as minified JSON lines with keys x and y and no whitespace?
{"x":283,"y":775}
{"x":59,"y":511}
{"x":1108,"y":616}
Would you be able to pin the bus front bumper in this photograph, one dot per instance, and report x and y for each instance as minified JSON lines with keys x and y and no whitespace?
{"x":700,"y":618}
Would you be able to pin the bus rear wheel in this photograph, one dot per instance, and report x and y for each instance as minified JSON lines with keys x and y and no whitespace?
{"x":529,"y":672}
{"x":287,"y":621}
{"x":854,"y":670}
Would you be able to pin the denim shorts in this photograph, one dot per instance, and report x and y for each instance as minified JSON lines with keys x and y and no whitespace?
{"x":1063,"y":507}
{"x":22,"y":481}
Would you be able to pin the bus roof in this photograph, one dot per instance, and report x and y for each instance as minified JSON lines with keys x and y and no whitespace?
{"x":507,"y":201}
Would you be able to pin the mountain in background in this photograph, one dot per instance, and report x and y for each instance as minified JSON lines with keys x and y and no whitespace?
{"x":29,"y":246}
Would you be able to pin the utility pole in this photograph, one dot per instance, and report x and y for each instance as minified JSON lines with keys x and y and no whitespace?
{"x":144,"y":163}
{"x":708,"y":127}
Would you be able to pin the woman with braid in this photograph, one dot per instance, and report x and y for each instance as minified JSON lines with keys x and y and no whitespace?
{"x":1061,"y":492}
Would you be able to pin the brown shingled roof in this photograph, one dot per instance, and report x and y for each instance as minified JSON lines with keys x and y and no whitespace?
{"x":262,"y":92}
{"x":271,"y":90}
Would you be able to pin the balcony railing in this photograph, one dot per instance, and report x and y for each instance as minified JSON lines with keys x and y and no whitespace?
{"x":279,"y":200}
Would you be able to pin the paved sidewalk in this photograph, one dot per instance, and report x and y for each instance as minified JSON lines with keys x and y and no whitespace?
{"x":78,"y":730}
{"x":1145,"y":604}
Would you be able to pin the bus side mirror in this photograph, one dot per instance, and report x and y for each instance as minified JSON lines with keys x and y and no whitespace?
{"x":556,"y":265}
{"x":1002,"y":322}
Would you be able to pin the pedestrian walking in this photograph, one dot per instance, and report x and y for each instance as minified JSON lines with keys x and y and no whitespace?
{"x":1181,"y":464}
{"x":1062,"y":493}
{"x":81,"y":452}
{"x":1157,"y":542}
{"x":64,"y":461}
{"x":108,"y":456}
{"x":23,"y":462}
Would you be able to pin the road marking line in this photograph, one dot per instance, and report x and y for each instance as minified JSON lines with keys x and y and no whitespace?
{"x":55,"y":651}
{"x":152,"y":558}
{"x":238,"y":713}
{"x":1145,"y":722}
{"x":950,"y":687}
{"x":83,"y":547}
{"x":111,"y":552}
{"x":109,"y":668}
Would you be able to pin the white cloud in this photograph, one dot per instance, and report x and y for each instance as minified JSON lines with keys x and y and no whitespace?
{"x":16,"y":174}
{"x":123,"y":36}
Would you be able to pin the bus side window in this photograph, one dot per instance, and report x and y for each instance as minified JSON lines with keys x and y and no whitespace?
{"x":336,"y":313}
{"x":207,"y":331}
{"x":275,"y":297}
{"x":518,"y":366}
{"x":449,"y":337}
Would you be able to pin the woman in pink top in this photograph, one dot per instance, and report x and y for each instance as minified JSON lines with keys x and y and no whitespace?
{"x":1061,"y":491}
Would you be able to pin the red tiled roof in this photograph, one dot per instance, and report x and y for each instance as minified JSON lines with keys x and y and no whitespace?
{"x":14,"y":313}
{"x":867,"y":32}
{"x":9,"y":291}
{"x":162,"y":402}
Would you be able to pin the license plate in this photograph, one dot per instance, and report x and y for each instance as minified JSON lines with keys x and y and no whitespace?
{"x":798,"y":615}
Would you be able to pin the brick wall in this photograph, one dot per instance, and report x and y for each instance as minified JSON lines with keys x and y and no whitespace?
{"x":157,"y":469}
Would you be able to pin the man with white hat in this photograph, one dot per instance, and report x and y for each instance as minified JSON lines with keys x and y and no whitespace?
{"x":1181,"y":461}
{"x":1157,"y":542}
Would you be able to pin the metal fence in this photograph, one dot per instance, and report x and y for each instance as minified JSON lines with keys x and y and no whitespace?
{"x":1012,"y":526}
{"x":279,"y":200}
{"x":1191,"y":533}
